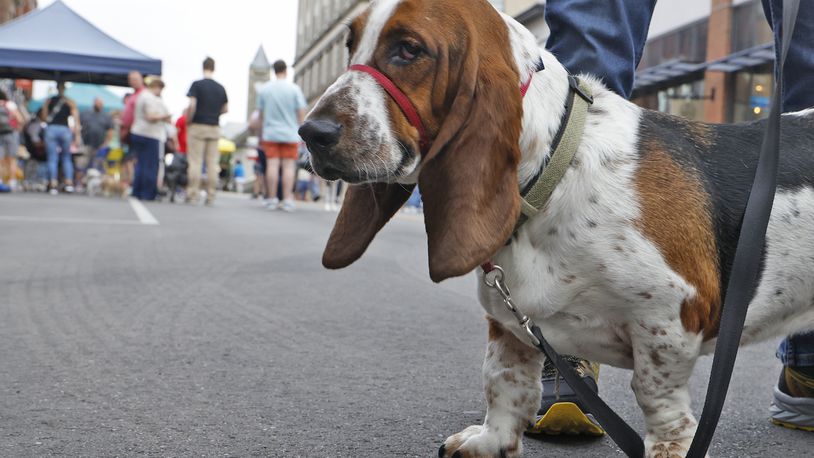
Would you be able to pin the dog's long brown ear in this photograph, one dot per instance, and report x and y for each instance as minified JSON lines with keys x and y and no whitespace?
{"x":469,"y":178}
{"x":365,"y":211}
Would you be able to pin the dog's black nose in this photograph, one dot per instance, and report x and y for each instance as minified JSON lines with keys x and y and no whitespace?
{"x":320,"y":135}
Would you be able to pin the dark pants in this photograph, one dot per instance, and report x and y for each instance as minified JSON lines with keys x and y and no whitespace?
{"x":606,"y":39}
{"x":146,"y":151}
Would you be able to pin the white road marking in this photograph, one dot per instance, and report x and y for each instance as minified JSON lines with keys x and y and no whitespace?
{"x":37,"y":219}
{"x":143,"y":214}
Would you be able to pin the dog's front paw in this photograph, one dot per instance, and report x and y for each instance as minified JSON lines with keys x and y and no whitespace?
{"x":677,"y":448}
{"x":478,"y":442}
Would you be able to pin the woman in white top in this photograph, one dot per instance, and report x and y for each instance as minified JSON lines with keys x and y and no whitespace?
{"x":146,"y":138}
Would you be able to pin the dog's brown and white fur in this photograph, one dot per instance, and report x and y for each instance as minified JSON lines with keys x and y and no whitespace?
{"x":627,"y":263}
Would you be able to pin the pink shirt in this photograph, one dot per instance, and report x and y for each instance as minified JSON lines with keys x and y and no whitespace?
{"x":129,"y":113}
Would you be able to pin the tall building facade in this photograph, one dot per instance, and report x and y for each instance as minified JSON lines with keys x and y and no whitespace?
{"x":259,"y":73}
{"x":10,"y":9}
{"x":709,"y":60}
{"x":321,"y":27}
{"x":321,"y":55}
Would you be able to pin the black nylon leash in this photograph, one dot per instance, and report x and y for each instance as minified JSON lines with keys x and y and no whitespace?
{"x":742,"y":285}
{"x":625,"y":437}
{"x":746,"y":265}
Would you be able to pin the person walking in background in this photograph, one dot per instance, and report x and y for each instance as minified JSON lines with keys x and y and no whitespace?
{"x":282,"y":110}
{"x":259,"y":187}
{"x":207,"y":101}
{"x":181,"y":129}
{"x":59,"y":138}
{"x":97,"y":131}
{"x":239,"y":176}
{"x":135,"y":81}
{"x":11,"y":120}
{"x":147,"y":134}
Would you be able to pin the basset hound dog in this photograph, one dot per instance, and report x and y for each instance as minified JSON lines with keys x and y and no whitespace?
{"x":627,"y":262}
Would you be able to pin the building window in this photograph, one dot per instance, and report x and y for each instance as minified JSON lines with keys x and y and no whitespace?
{"x":749,"y":26}
{"x":753,"y":91}
{"x":686,"y":100}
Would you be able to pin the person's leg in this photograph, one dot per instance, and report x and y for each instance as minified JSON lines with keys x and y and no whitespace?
{"x":798,"y":73}
{"x":272,"y":172}
{"x":13,"y":145}
{"x":605,"y":39}
{"x":798,"y":351}
{"x":289,"y":174}
{"x":793,"y":404}
{"x":7,"y":157}
{"x":137,"y":147}
{"x":258,"y":180}
{"x":195,"y":147}
{"x":415,"y":199}
{"x":64,"y":139}
{"x":150,"y":169}
{"x":52,"y":152}
{"x":315,"y":188}
{"x":4,"y":156}
{"x":273,"y":179}
{"x":212,"y":166}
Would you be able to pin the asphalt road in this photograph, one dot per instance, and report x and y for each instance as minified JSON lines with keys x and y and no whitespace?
{"x":216,"y":332}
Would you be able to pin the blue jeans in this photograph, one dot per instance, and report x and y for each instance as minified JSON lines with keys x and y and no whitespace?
{"x":606,"y":39}
{"x":58,"y":140}
{"x":145,"y":181}
{"x":798,"y":72}
{"x":415,"y":199}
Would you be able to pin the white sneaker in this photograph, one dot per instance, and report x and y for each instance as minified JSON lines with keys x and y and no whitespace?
{"x":53,"y":191}
{"x":69,"y":189}
{"x":288,"y":206}
{"x":273,"y":203}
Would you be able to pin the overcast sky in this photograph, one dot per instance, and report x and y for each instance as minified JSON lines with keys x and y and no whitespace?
{"x":183,"y":32}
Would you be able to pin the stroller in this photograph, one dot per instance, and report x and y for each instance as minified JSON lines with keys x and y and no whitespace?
{"x":175,"y":173}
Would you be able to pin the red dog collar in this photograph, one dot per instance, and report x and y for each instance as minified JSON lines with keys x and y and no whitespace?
{"x":406,"y":106}
{"x":401,"y":100}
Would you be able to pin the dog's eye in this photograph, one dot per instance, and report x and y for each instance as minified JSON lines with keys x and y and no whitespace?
{"x":408,"y":51}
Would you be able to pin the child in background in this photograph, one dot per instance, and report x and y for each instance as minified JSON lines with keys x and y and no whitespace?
{"x":239,"y":174}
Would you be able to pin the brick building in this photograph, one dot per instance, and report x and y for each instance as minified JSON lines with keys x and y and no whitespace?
{"x":707,"y":60}
{"x":10,"y":9}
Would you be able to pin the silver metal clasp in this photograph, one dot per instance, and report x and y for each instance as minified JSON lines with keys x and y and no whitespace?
{"x":494,"y":279}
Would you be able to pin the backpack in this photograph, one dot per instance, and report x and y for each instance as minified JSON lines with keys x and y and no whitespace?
{"x":5,"y":119}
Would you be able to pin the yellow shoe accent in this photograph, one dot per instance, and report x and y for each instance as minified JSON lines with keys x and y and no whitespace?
{"x":793,"y":426}
{"x":566,"y":418}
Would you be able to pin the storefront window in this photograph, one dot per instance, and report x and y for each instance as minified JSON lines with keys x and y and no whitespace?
{"x":686,"y":100}
{"x":753,"y":89}
{"x":749,"y":26}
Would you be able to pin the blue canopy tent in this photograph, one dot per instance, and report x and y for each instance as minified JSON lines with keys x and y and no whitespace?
{"x":82,"y":53}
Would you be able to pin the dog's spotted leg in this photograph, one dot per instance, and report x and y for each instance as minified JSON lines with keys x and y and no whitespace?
{"x":664,"y":358}
{"x":511,"y":378}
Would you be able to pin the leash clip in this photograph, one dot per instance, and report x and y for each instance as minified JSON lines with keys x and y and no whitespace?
{"x":494,"y":279}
